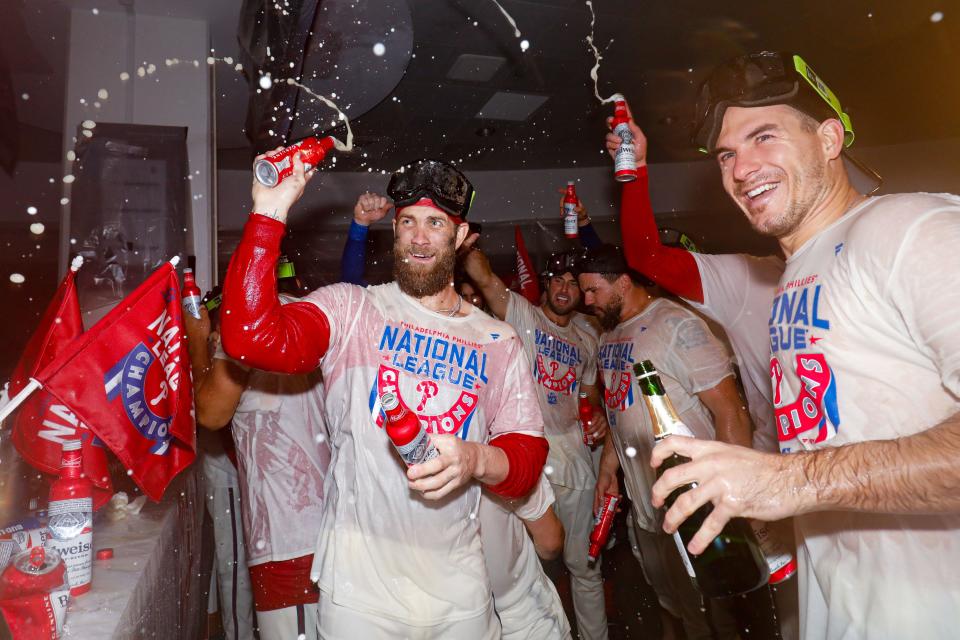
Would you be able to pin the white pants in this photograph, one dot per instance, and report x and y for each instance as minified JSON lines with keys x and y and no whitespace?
{"x":574,"y":507}
{"x":230,"y":563}
{"x":340,"y":623}
{"x":298,"y":622}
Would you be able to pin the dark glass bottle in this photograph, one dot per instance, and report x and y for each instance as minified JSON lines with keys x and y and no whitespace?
{"x":733,"y":563}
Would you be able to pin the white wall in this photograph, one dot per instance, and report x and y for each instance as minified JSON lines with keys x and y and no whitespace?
{"x":104,"y":45}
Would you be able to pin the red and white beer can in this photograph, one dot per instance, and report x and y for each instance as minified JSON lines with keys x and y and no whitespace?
{"x":34,"y":594}
{"x":780,"y":559}
{"x":602,"y":524}
{"x":625,"y":159}
{"x":20,"y":535}
{"x":273,"y":168}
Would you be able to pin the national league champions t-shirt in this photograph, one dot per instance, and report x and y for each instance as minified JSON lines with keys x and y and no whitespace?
{"x":563,"y":359}
{"x":689,"y":359}
{"x":383,"y":549}
{"x":865,"y":334}
{"x":737,"y":293}
{"x":282,"y":454}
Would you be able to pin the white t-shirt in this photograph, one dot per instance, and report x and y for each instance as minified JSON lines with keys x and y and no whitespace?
{"x":562,"y":359}
{"x":282,"y":455}
{"x":737,"y":293}
{"x":526,"y":600}
{"x":384,"y":549}
{"x":865,"y":332}
{"x":689,"y":358}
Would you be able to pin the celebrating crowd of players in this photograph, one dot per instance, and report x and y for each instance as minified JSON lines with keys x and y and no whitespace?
{"x":848,"y":353}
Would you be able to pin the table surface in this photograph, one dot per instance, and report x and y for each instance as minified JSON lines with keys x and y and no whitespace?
{"x":130,"y":590}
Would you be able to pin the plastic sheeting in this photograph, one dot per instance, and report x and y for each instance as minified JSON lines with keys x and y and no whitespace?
{"x":152,"y":587}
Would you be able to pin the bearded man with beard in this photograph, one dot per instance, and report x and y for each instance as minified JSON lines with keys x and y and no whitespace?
{"x":563,"y":358}
{"x":696,"y":371}
{"x":398,"y":552}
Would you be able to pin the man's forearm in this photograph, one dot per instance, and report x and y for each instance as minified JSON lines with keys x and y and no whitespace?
{"x":199,"y":361}
{"x":492,"y":465}
{"x":609,"y":462}
{"x":354,"y":258}
{"x":917,"y":474}
{"x":734,"y":427}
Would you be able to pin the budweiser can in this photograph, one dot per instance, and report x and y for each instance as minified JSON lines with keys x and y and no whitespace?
{"x":34,"y":594}
{"x":625,"y":160}
{"x":601,"y":525}
{"x":779,"y":557}
{"x":586,"y":417}
{"x":21,"y":535}
{"x":273,"y":168}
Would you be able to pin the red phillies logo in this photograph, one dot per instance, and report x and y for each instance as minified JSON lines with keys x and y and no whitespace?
{"x":453,"y":419}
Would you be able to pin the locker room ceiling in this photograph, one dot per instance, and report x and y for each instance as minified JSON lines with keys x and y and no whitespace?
{"x":890,"y":62}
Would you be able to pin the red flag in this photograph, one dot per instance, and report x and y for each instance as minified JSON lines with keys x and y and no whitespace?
{"x":526,"y":274}
{"x":41,"y":425}
{"x":144,"y":409}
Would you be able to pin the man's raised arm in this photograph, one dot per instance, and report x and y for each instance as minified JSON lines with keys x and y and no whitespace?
{"x":673,"y":269}
{"x":257,"y":330}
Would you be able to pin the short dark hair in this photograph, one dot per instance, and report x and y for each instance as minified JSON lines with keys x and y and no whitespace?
{"x":608,"y":261}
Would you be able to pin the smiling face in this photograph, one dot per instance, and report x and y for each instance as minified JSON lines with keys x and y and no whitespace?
{"x":773,"y":164}
{"x":424,"y":250}
{"x":563,"y":294}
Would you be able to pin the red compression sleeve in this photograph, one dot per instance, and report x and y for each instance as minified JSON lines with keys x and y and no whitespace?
{"x":673,"y":269}
{"x":256,"y":329}
{"x":526,"y":454}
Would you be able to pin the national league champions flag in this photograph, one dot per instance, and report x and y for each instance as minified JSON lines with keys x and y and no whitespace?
{"x":42,"y":424}
{"x":128,"y":379}
{"x":526,"y":274}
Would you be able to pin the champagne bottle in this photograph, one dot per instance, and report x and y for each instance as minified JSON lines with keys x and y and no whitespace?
{"x":732,"y":563}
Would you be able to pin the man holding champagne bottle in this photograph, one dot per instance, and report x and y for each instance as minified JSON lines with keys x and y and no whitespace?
{"x":696,"y":370}
{"x":865,"y":340}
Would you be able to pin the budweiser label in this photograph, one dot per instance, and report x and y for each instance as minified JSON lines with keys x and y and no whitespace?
{"x":72,"y":535}
{"x":626,"y":159}
{"x":418,"y":450}
{"x":191,"y":304}
{"x":570,"y":219}
{"x":779,"y":559}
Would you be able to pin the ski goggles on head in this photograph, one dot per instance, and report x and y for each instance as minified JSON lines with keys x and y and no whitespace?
{"x":762,"y":79}
{"x":560,"y":263}
{"x":449,"y":189}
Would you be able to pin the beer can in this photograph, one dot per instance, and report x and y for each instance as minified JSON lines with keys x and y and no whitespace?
{"x":20,"y":535}
{"x":273,"y":168}
{"x":34,"y":594}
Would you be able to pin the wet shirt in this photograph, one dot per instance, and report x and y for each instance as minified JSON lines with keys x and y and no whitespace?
{"x":383,"y":549}
{"x":525,"y":598}
{"x":282,"y":458}
{"x":865,"y":335}
{"x":689,"y":359}
{"x":562,"y":359}
{"x":737,"y":293}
